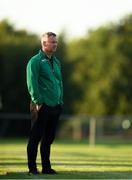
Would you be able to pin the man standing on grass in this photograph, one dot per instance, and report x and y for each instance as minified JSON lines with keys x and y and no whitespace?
{"x":45,"y":87}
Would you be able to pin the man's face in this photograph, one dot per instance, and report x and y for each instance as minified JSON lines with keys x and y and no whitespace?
{"x":51,"y":44}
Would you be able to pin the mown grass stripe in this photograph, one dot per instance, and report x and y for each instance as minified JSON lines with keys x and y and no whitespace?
{"x":72,"y":161}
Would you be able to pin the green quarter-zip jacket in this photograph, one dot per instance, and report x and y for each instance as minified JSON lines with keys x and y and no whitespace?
{"x":44,"y":80}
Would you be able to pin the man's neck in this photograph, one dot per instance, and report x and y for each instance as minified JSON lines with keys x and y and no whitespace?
{"x":48,"y":54}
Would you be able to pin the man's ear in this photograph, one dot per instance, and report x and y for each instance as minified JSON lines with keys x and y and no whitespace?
{"x":44,"y":43}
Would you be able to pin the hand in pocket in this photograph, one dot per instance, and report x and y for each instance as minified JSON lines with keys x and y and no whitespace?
{"x":38,"y":107}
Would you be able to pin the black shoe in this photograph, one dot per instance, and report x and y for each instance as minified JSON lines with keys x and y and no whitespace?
{"x":33,"y":172}
{"x":49,"y":171}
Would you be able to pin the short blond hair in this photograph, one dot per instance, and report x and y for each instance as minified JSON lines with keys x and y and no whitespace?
{"x":46,"y":35}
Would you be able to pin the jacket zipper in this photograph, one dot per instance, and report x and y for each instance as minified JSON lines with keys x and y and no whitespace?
{"x":52,"y":67}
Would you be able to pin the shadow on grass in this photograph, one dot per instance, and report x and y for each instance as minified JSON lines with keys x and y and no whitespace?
{"x":94,"y":163}
{"x":70,"y":175}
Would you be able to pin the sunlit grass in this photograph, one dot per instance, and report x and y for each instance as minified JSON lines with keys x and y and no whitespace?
{"x":70,"y":160}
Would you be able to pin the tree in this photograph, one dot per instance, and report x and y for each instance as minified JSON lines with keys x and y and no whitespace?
{"x":17,"y":46}
{"x":101,"y":71}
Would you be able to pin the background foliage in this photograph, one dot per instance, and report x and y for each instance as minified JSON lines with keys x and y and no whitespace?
{"x":96,"y":69}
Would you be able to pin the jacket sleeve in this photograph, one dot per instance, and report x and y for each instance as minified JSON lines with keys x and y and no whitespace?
{"x":61,"y":81}
{"x":32,"y":74}
{"x":61,"y":86}
{"x":62,"y":92}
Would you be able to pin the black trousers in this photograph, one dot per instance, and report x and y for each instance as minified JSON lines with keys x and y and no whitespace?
{"x":43,"y":130}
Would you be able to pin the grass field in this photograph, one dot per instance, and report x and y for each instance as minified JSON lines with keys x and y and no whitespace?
{"x":71,"y":160}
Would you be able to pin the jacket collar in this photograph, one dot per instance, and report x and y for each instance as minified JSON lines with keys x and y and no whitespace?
{"x":43,"y":55}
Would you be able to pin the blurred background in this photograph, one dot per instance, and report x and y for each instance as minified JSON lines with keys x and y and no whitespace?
{"x":95,"y":50}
